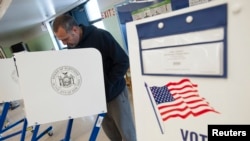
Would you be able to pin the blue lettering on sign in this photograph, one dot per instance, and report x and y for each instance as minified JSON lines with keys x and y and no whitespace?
{"x":192,"y":136}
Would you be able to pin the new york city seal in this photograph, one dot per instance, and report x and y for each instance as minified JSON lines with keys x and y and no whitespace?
{"x":66,"y":80}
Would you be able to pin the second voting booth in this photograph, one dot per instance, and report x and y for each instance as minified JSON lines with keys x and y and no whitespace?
{"x":9,"y":91}
{"x":58,"y":85}
{"x":189,"y":69}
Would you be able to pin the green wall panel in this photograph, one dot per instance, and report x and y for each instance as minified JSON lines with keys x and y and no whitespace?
{"x":40,"y":43}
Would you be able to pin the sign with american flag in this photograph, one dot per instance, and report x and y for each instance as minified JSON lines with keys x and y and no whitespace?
{"x":178,"y":100}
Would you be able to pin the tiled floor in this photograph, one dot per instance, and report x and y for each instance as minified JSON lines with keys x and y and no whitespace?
{"x":81,"y":129}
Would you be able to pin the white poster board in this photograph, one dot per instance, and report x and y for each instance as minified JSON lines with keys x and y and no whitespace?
{"x":9,"y":83}
{"x":223,"y":100}
{"x":59,"y":85}
{"x":182,"y":58}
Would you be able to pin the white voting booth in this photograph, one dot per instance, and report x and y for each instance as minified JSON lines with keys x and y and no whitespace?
{"x":9,"y":91}
{"x":59,"y":85}
{"x":55,"y":86}
{"x":9,"y":84}
{"x":197,"y":56}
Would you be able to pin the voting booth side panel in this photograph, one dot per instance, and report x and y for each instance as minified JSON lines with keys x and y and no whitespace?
{"x":9,"y":83}
{"x":178,"y":103}
{"x":60,"y":81}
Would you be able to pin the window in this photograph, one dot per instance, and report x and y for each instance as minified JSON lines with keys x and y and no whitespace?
{"x":94,"y":14}
{"x":93,"y":11}
{"x":99,"y":24}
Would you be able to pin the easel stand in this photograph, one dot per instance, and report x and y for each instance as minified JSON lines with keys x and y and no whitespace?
{"x":3,"y":117}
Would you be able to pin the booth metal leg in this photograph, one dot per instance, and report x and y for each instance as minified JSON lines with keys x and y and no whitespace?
{"x":37,"y":136}
{"x":3,"y":116}
{"x":96,"y":127}
{"x":68,"y":131}
{"x":94,"y":132}
{"x":3,"y":129}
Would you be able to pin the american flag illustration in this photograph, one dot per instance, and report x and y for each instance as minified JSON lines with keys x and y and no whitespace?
{"x":179,"y":99}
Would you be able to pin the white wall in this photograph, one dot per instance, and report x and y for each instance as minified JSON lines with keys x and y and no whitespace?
{"x":111,"y":21}
{"x":107,"y":3}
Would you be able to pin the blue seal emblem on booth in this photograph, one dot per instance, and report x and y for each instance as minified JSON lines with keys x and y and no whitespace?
{"x":66,"y":80}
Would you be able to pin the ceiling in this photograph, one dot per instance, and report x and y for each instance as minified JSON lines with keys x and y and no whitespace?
{"x":18,"y":17}
{"x":21,"y":15}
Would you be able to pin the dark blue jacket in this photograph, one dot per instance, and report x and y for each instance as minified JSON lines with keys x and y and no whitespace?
{"x":115,"y":60}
